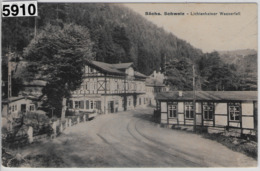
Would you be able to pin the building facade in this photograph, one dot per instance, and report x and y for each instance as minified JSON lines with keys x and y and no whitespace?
{"x":109,"y":88}
{"x":154,"y":85}
{"x":219,"y":110}
{"x":14,"y":107}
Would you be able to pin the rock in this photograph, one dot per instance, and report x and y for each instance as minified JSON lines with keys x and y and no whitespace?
{"x":19,"y":157}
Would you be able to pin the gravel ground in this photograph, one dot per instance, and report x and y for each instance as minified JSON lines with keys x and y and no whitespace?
{"x":130,"y":139}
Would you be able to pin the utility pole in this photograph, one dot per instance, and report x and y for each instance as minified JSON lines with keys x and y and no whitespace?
{"x":164,"y":64}
{"x":194,"y":97}
{"x":9,"y":93}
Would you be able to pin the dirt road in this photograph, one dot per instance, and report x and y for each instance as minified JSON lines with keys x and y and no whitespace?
{"x":130,"y":139}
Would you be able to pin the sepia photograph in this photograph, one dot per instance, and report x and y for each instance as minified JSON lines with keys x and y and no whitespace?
{"x":129,"y":85}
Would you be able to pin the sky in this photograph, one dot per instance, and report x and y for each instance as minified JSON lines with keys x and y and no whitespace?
{"x":208,"y":33}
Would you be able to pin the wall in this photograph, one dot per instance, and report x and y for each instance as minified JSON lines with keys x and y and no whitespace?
{"x":15,"y":106}
{"x":220,"y":116}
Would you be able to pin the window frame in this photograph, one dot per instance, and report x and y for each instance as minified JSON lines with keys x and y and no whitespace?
{"x":236,"y":113}
{"x":210,"y":108}
{"x":170,"y":108}
{"x":191,"y":109}
{"x":76,"y":104}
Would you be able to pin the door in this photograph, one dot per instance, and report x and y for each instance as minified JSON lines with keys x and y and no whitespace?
{"x":23,"y":108}
{"x":110,"y":107}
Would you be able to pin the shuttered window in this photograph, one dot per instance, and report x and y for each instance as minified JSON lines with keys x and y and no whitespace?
{"x":87,"y":104}
{"x":81,"y":104}
{"x":98,"y":105}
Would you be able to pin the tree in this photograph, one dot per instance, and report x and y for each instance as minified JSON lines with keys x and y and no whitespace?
{"x":215,"y":74}
{"x":58,"y":54}
{"x":179,"y":74}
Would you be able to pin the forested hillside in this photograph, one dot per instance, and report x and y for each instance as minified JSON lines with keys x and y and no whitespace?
{"x":246,"y":63}
{"x":121,"y":35}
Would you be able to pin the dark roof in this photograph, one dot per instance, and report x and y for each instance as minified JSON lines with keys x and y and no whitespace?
{"x":105,"y":67}
{"x":122,"y":65}
{"x":114,"y":68}
{"x":12,"y":99}
{"x":209,"y":95}
{"x":153,"y":82}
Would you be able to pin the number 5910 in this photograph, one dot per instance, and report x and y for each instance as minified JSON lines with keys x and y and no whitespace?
{"x":19,"y":9}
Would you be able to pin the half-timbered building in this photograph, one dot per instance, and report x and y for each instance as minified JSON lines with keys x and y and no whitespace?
{"x":109,"y":88}
{"x":215,"y":110}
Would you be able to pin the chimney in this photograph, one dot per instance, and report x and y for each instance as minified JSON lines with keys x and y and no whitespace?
{"x":180,"y":93}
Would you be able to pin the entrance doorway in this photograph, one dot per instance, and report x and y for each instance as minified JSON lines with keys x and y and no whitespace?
{"x":111,"y":107}
{"x":23,"y":108}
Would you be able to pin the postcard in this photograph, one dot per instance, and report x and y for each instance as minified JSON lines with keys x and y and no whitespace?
{"x":129,"y":85}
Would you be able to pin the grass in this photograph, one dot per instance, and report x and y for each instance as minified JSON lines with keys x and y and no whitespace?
{"x":239,"y":144}
{"x":247,"y":147}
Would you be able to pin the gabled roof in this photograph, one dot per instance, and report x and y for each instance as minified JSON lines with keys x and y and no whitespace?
{"x":122,"y":65}
{"x":13,"y":99}
{"x":105,"y":67}
{"x":114,"y":68}
{"x":209,"y":95}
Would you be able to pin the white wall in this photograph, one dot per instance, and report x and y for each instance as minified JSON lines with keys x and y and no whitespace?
{"x":180,"y":107}
{"x":163,"y":106}
{"x":247,"y":108}
{"x":220,"y":108}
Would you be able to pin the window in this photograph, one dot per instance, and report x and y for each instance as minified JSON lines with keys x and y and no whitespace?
{"x":76,"y":104}
{"x":144,"y":101}
{"x":31,"y":107}
{"x":81,"y":104}
{"x":140,"y":101}
{"x":172,"y":109}
{"x":234,"y":111}
{"x":70,"y":104}
{"x":189,"y":110}
{"x":87,"y":104}
{"x":91,"y":104}
{"x":12,"y":108}
{"x":207,"y":110}
{"x":15,"y":107}
{"x":98,"y":105}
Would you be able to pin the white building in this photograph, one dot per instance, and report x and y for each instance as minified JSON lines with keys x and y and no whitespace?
{"x":109,"y":88}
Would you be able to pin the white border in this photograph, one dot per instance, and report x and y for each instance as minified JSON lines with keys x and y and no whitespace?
{"x":143,"y":1}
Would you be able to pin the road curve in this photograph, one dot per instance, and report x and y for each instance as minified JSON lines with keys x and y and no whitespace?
{"x":130,"y":139}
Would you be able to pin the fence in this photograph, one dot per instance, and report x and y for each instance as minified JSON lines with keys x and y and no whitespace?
{"x":39,"y":128}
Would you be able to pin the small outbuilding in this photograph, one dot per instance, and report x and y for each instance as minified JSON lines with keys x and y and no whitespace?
{"x":214,"y":110}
